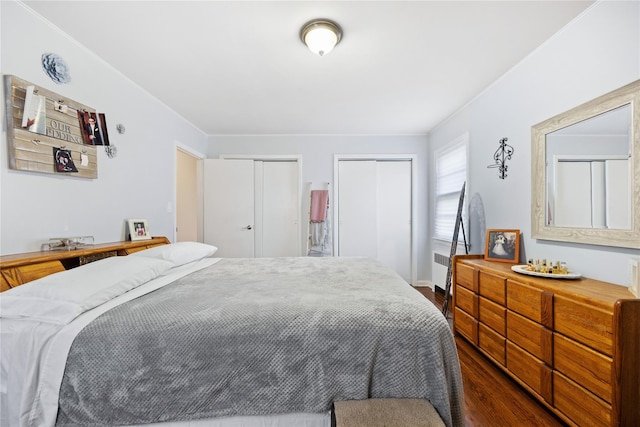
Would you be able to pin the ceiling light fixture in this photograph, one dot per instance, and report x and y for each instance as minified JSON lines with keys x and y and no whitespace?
{"x":321,"y":35}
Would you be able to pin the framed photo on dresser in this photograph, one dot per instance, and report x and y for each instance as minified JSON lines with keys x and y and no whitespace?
{"x":502,"y":245}
{"x":138,"y":229}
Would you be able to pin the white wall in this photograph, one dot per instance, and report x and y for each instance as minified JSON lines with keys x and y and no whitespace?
{"x":317,"y":162}
{"x":138,"y":183}
{"x":596,"y":53}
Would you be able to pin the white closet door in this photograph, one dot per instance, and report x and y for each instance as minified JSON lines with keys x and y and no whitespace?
{"x":358,"y":205}
{"x":598,"y":212}
{"x":394,"y":215}
{"x":374,"y":215}
{"x":229,"y":207}
{"x":618,"y":194}
{"x":573,"y":195}
{"x":278,"y":232}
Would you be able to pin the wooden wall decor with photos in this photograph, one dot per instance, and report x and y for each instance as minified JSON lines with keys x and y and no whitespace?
{"x":52,"y":140}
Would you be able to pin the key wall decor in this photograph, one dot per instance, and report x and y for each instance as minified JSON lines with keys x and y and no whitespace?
{"x":44,"y":132}
{"x":502,"y":154}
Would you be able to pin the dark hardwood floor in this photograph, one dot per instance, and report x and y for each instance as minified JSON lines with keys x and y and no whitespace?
{"x":491,"y":398}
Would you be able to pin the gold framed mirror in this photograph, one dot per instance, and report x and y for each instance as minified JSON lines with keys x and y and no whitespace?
{"x":585,"y":172}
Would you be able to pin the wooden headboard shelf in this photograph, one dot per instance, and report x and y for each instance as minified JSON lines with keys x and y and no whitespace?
{"x":19,"y":269}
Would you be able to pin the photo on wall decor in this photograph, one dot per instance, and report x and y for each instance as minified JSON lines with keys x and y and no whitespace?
{"x":94,"y":128}
{"x":34,"y":114}
{"x":63,"y":162}
{"x":502,"y":245}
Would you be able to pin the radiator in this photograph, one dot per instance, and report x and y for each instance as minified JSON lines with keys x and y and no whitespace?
{"x":439,"y":268}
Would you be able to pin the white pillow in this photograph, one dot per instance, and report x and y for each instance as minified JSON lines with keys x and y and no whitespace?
{"x":179,"y":253}
{"x":61,"y":297}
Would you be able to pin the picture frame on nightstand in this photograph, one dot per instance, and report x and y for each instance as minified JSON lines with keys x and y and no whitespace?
{"x":138,"y":229}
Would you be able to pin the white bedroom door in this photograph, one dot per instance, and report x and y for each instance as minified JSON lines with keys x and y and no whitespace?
{"x":229,"y":207}
{"x":374,"y":212}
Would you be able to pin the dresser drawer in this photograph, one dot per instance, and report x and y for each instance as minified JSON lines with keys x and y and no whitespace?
{"x":492,"y":342}
{"x":467,"y":300}
{"x":492,"y":287}
{"x":493,"y":315}
{"x":585,"y":366}
{"x":12,"y":277}
{"x":467,"y":276}
{"x":531,"y":370}
{"x":531,"y":336}
{"x":466,"y":325}
{"x":581,"y":406}
{"x":586,"y":324}
{"x":532,"y":303}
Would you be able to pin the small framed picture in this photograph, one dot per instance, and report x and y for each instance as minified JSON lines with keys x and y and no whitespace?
{"x":502,"y":245}
{"x":94,"y":128}
{"x":139,"y":229}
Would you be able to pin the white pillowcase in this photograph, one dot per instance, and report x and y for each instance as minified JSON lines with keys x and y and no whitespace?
{"x":179,"y":253}
{"x":61,"y":297}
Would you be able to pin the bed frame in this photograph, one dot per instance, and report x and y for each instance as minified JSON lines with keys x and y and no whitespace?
{"x":18,"y":269}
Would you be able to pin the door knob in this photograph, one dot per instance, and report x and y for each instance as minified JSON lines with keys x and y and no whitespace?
{"x":248,"y":227}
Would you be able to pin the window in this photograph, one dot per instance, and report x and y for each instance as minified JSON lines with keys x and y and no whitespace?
{"x":451,"y":174}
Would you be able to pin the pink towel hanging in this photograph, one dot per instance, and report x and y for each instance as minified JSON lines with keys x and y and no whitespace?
{"x":319,"y":203}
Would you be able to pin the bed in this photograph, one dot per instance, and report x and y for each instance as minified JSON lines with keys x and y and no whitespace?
{"x":173,"y":336}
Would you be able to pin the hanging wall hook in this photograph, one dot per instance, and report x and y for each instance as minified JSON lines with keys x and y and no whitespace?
{"x":502,"y":154}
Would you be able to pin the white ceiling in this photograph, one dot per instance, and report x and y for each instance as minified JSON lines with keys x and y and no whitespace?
{"x":239,"y":67}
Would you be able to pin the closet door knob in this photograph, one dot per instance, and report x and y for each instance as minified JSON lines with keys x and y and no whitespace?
{"x":248,"y":227}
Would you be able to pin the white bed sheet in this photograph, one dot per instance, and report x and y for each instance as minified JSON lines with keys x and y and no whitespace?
{"x":283,"y":420}
{"x":33,"y":359}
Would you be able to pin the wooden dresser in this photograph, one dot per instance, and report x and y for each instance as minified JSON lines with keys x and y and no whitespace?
{"x":18,"y":269}
{"x":573,"y":344}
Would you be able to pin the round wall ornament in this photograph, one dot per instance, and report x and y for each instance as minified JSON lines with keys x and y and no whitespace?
{"x":111,"y":151}
{"x":120,"y":128}
{"x":56,"y":68}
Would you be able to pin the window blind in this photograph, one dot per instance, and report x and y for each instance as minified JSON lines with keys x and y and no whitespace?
{"x":451,"y":173}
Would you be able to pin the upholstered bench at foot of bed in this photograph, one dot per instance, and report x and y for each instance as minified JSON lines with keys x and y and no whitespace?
{"x":385,"y":412}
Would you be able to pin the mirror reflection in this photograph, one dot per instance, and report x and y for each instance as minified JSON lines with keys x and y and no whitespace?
{"x":588,"y":166}
{"x":585,"y":172}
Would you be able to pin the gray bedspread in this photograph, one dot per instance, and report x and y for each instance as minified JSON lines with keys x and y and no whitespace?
{"x":262,"y":336}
